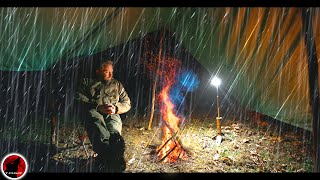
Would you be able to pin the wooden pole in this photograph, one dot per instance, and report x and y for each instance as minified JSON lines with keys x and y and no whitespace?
{"x":54,"y":120}
{"x":313,"y":82}
{"x":154,"y":86}
{"x":218,"y":119}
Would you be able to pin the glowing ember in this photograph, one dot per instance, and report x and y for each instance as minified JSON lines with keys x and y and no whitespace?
{"x":170,"y":149}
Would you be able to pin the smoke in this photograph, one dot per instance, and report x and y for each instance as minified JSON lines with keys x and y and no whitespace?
{"x":187,"y":81}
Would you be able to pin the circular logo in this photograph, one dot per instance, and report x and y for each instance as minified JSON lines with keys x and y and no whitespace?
{"x":14,"y":166}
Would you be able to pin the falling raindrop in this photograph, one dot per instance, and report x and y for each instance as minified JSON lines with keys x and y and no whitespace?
{"x":260,"y":53}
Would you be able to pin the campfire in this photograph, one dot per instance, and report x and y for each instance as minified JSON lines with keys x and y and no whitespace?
{"x":170,"y":149}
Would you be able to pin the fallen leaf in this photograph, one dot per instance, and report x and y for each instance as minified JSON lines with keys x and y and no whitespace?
{"x":141,"y":129}
{"x":245,"y":141}
{"x":296,"y":143}
{"x":232,"y":158}
{"x":131,"y":160}
{"x":216,"y":157}
{"x":236,"y":146}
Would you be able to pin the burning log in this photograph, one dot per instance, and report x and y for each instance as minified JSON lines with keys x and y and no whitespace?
{"x":169,"y":153}
{"x":159,"y":149}
{"x":183,"y":151}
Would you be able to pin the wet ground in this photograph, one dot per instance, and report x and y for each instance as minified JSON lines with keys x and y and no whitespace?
{"x":245,"y":147}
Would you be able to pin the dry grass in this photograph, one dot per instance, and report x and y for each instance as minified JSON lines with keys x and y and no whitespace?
{"x":246,"y":147}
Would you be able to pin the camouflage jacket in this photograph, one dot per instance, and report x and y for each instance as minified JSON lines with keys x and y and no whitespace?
{"x":92,"y":93}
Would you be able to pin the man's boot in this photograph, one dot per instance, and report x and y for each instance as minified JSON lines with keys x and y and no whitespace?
{"x":103,"y":161}
{"x":117,"y":145}
{"x":99,"y":164}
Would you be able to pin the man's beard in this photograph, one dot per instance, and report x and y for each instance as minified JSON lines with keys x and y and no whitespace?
{"x":107,"y":81}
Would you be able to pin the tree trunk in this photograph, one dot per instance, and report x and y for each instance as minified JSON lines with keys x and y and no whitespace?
{"x":154,"y":85}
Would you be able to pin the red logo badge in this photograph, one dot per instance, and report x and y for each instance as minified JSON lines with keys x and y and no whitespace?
{"x":14,"y":166}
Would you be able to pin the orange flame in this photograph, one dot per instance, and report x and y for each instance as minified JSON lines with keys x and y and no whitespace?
{"x":170,"y":149}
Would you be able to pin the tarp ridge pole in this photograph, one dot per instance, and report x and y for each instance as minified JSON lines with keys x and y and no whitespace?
{"x":313,"y":82}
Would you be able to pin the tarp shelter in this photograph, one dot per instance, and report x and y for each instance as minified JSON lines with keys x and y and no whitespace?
{"x":260,"y":53}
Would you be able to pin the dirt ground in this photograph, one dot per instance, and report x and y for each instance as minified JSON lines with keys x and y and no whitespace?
{"x":247,"y":146}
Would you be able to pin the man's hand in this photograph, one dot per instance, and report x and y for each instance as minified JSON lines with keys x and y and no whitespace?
{"x":107,"y":109}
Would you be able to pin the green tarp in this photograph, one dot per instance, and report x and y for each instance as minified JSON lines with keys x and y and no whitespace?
{"x":259,"y":53}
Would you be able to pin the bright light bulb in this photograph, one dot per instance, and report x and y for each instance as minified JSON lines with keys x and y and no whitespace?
{"x":216,"y":82}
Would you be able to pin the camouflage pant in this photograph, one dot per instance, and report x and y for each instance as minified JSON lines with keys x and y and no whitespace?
{"x":104,"y":132}
{"x":100,"y":127}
